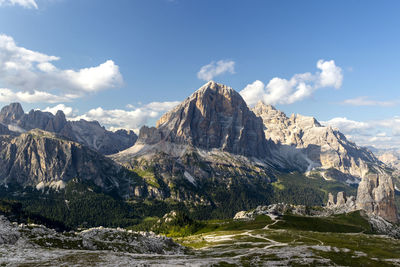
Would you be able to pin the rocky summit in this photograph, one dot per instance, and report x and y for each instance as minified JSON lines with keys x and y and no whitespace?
{"x":324,"y":148}
{"x":215,"y":116}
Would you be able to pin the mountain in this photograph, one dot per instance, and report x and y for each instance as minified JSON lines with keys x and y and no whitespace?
{"x":91,"y":134}
{"x":211,"y":150}
{"x":42,"y":159}
{"x":205,"y":151}
{"x":325,"y":149}
{"x":211,"y":153}
{"x":213,"y":142}
{"x":329,"y":152}
{"x":215,"y":116}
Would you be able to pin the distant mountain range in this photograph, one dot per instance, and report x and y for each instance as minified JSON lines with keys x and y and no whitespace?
{"x":212,"y":150}
{"x":91,"y":134}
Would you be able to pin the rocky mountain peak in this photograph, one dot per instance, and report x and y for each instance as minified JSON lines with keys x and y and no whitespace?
{"x":11,"y":112}
{"x":89,"y":133}
{"x":260,"y":107}
{"x":304,"y":121}
{"x":271,"y":116}
{"x":215,"y":116}
{"x":322,"y":146}
{"x":58,"y":124}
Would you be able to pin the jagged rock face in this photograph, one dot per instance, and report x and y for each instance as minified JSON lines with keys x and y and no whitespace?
{"x":324,"y":146}
{"x":149,"y":135}
{"x":215,"y":116}
{"x":11,"y":113}
{"x":342,"y":204}
{"x":91,"y":134}
{"x":376,"y":196}
{"x":97,"y":137}
{"x":39,"y":157}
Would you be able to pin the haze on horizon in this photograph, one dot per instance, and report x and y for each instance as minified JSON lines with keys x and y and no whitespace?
{"x":125,"y":63}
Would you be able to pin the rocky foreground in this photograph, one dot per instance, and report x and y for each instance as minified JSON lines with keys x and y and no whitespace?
{"x":36,"y":244}
{"x":258,"y":237}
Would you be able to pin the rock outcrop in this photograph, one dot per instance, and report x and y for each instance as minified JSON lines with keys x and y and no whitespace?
{"x":89,"y":133}
{"x":376,"y":196}
{"x":30,"y":237}
{"x":342,"y":204}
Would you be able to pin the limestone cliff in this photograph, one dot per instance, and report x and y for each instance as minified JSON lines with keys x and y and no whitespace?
{"x":215,"y":116}
{"x":324,"y":147}
{"x":376,"y":196}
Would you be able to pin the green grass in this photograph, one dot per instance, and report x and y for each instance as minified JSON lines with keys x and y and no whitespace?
{"x":234,"y":225}
{"x":344,"y":223}
{"x":148,"y":176}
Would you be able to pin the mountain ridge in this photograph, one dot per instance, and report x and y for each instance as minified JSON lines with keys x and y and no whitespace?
{"x":212,"y":150}
{"x":88,"y":133}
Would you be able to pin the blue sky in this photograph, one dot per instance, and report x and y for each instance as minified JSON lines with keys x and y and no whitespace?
{"x":120,"y":61}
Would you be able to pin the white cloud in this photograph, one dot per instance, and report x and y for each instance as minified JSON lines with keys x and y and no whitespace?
{"x":330,"y":75}
{"x":23,"y":3}
{"x":299,"y":87}
{"x":352,"y":127}
{"x":8,"y":95}
{"x":28,"y":70}
{"x":383,"y":133}
{"x":128,"y":119}
{"x":209,"y":71}
{"x":162,"y":106}
{"x":68,"y":111}
{"x":365,"y":101}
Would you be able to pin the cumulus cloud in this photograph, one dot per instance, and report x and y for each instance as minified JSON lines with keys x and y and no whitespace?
{"x":8,"y":95}
{"x":31,"y":71}
{"x":128,"y":119}
{"x":299,"y":87}
{"x":209,"y":71}
{"x":23,"y":3}
{"x":383,"y":133}
{"x":348,"y":126}
{"x":68,"y":111}
{"x":365,"y":101}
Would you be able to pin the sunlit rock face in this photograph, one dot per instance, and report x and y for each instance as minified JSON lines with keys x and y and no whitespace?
{"x":324,"y":147}
{"x":215,"y":116}
{"x":376,"y":196}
